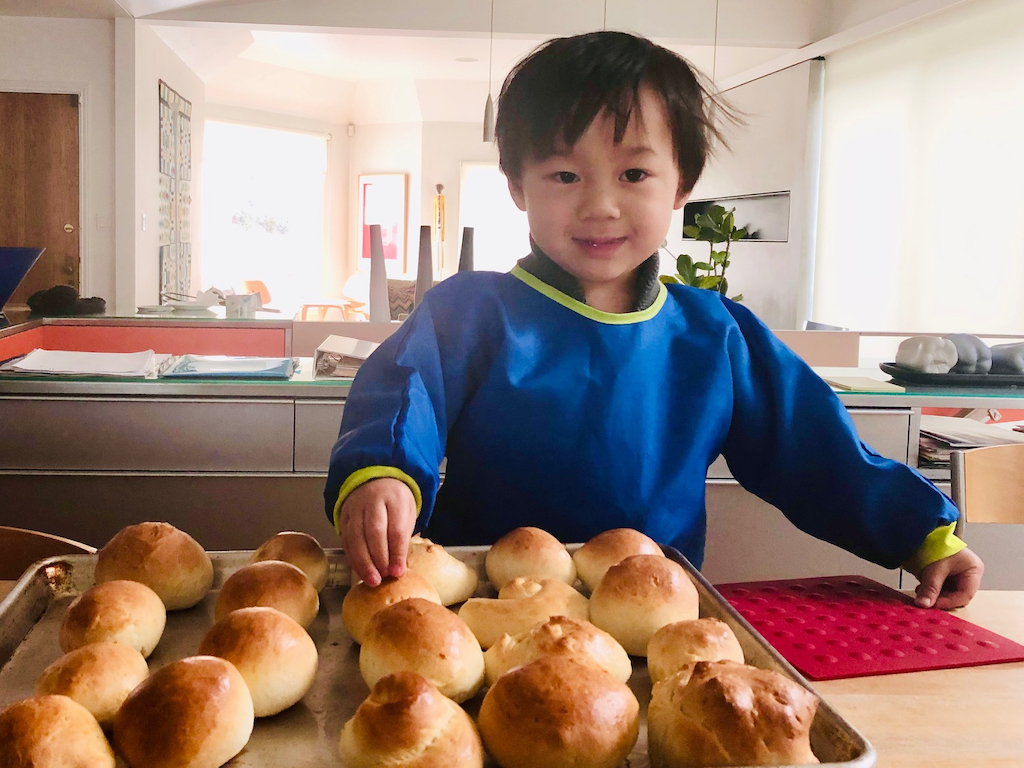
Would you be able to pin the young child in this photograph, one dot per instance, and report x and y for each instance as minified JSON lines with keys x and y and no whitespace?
{"x":577,"y":393}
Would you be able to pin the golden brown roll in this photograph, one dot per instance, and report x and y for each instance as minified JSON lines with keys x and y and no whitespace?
{"x":453,"y":579}
{"x":196,"y":712}
{"x":362,"y":601}
{"x":730,"y":714}
{"x":169,"y":561}
{"x":117,"y":612}
{"x":678,"y":646}
{"x":559,"y":713}
{"x":406,"y":722}
{"x":272,"y":653}
{"x":52,"y":731}
{"x":271,"y":583}
{"x":610,"y":548}
{"x":301,"y":550}
{"x":522,"y":604}
{"x":99,"y":676}
{"x":528,"y":552}
{"x":416,"y":635}
{"x":558,"y":636}
{"x":639,"y":596}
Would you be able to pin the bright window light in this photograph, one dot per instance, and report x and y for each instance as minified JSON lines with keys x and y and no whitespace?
{"x":501,"y":233}
{"x":263,"y":210}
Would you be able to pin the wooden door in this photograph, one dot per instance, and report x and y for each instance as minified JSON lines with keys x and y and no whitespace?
{"x":39,"y":186}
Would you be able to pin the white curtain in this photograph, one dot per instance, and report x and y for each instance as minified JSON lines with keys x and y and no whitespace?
{"x":921,"y":206}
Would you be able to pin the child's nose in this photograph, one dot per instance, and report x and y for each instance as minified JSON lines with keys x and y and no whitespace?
{"x":598,"y":201}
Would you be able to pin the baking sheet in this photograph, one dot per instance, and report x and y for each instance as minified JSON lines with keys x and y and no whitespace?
{"x":307,"y":734}
{"x":952,"y":379}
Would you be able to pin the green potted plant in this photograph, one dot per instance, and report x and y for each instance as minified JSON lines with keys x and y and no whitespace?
{"x":715,"y":227}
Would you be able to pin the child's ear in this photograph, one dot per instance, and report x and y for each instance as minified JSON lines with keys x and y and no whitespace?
{"x":681,"y":199}
{"x":518,"y":197}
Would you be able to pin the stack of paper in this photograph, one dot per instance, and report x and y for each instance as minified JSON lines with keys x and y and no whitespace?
{"x":341,"y":356}
{"x":942,"y":434}
{"x":61,"y":363}
{"x":228,"y":367}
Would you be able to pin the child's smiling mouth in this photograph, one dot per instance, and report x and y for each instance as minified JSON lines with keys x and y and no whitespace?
{"x":599,"y":244}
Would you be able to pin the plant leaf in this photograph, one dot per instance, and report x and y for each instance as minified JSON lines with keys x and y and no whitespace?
{"x":723,"y":286}
{"x":683,"y":262}
{"x":669,"y":279}
{"x":718,"y":256}
{"x":708,"y":281}
{"x":717,"y":213}
{"x":702,"y":265}
{"x":738,"y":297}
{"x":739,"y":234}
{"x":691,"y":231}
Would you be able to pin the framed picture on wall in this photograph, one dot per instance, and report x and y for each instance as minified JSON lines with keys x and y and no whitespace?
{"x":383,"y":200}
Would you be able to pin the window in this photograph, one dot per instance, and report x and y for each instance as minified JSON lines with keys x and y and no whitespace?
{"x":263,"y":210}
{"x":501,"y":233}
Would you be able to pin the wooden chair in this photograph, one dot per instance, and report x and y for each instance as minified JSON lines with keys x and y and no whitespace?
{"x":19,"y":548}
{"x":987,"y":484}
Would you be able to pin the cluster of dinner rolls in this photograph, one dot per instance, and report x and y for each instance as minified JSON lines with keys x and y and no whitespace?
{"x":406,"y":722}
{"x":639,"y":596}
{"x":678,"y":646}
{"x":165,"y":559}
{"x":453,"y":579}
{"x":195,"y":712}
{"x":270,"y":650}
{"x":301,"y":550}
{"x":125,"y":612}
{"x":416,"y":635}
{"x":610,"y":548}
{"x":528,"y":552}
{"x":727,"y":713}
{"x":270,"y":583}
{"x":557,"y":712}
{"x":558,"y":636}
{"x":52,"y":731}
{"x":99,"y":676}
{"x":363,"y":601}
{"x":521,"y":604}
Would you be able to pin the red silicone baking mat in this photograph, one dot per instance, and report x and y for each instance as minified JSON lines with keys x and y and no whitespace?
{"x":851,"y":626}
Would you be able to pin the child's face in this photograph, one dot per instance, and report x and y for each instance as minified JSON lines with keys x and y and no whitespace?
{"x":600,"y":209}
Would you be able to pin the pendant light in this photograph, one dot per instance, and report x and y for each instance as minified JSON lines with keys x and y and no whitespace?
{"x":489,"y":106}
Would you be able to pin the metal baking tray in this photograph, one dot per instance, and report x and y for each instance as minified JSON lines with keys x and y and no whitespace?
{"x":307,"y":734}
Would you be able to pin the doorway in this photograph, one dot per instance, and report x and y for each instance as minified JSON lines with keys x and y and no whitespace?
{"x":39,"y":179}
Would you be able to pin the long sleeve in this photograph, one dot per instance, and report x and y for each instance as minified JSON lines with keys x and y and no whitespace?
{"x":793,"y":443}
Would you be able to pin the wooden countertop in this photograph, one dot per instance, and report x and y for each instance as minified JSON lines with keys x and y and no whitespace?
{"x":946,"y":718}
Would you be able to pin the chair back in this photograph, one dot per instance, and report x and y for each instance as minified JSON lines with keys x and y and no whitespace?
{"x":257,"y":286}
{"x":19,"y":548}
{"x":987,"y":484}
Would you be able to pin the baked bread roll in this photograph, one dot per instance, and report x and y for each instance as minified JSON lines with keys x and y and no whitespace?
{"x":271,"y":583}
{"x":301,"y":550}
{"x":362,"y":601}
{"x":453,"y":579}
{"x":730,"y":714}
{"x":416,"y":635}
{"x":558,"y":636}
{"x":528,"y":552}
{"x":169,"y":561}
{"x":639,"y":596}
{"x":196,"y":712}
{"x":99,"y":676}
{"x":406,"y":722}
{"x":678,"y":646}
{"x":521,"y":604}
{"x":610,"y":548}
{"x":272,"y":653}
{"x":114,"y":612}
{"x":52,"y":731}
{"x":559,"y":713}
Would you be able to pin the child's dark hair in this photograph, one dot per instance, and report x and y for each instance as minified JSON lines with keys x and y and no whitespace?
{"x":551,"y":97}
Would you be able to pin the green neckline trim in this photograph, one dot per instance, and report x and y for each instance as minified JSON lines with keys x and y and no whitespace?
{"x":610,"y":318}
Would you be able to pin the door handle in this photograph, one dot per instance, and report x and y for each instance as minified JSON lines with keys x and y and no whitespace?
{"x":69,"y":228}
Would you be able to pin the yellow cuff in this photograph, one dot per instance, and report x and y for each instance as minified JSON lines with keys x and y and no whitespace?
{"x":365,"y":475}
{"x":938,"y":544}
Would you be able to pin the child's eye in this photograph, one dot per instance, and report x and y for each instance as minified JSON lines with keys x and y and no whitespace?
{"x":633,"y":175}
{"x":566,"y":177}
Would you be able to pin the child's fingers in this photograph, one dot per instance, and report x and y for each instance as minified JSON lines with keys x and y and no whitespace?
{"x":400,"y":525}
{"x":354,"y":542}
{"x":375,"y":533}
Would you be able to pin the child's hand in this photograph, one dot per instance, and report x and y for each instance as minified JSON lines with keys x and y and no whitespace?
{"x":951,"y":582}
{"x":375,"y":524}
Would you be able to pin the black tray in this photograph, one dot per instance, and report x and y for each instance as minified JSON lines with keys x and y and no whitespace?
{"x":952,"y":379}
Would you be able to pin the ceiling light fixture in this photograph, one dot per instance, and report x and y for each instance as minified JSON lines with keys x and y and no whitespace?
{"x":489,"y":106}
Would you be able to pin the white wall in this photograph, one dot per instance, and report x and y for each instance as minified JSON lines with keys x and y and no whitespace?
{"x":74,"y":56}
{"x":154,"y":61}
{"x":770,"y":153}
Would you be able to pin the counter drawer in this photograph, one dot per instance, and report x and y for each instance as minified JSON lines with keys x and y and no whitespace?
{"x":316,"y":431}
{"x":146,"y":434}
